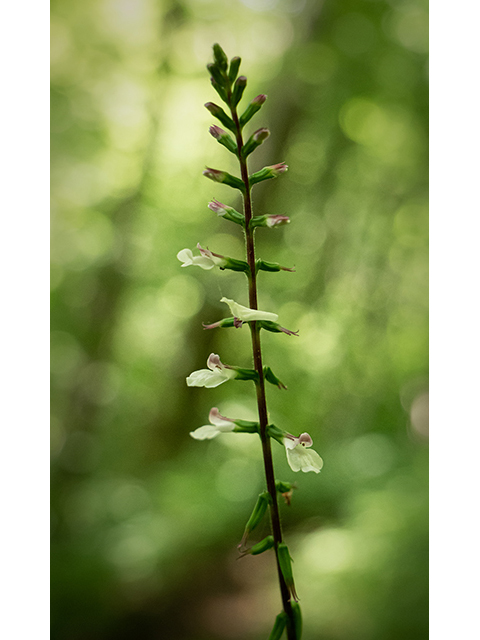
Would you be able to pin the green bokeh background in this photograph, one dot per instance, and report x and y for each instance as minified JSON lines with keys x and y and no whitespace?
{"x":145,"y":520}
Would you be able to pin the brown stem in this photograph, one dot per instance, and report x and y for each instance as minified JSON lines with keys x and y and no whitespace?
{"x":258,"y":366}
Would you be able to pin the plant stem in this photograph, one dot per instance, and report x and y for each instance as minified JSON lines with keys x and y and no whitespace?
{"x":260,"y":387}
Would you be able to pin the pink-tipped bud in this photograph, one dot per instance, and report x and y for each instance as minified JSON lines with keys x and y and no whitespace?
{"x":277,"y":221}
{"x":260,"y":99}
{"x":218,"y":208}
{"x":214,"y":174}
{"x":217,"y":132}
{"x":279,"y":168}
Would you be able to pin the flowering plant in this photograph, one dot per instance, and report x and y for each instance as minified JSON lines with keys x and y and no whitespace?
{"x":300,"y":456}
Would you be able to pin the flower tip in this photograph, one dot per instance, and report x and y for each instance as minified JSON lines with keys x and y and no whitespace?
{"x":216,"y":132}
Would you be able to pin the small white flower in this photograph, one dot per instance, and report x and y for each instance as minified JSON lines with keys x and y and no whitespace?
{"x":206,"y":259}
{"x":299,"y":456}
{"x":219,"y":424}
{"x":246,"y":315}
{"x":216,"y":374}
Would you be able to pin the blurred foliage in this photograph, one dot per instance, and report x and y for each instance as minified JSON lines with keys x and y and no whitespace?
{"x":145,"y":521}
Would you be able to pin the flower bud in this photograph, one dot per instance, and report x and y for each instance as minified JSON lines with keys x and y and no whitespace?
{"x":223,"y":138}
{"x":255,"y":141}
{"x":225,"y":178}
{"x":234,"y":66}
{"x":227,"y":212}
{"x":220,"y":56}
{"x":219,"y":88}
{"x":238,"y":89}
{"x":220,"y":114}
{"x":285,"y":563}
{"x":277,"y":221}
{"x":252,"y":109}
{"x":216,"y":73}
{"x":269,"y":221}
{"x":272,"y":171}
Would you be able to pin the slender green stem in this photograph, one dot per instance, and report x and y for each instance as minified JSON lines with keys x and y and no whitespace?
{"x":258,"y":366}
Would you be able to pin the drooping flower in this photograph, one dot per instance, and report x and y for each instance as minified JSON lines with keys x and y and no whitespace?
{"x":206,"y":260}
{"x":248,"y":315}
{"x":299,"y":455}
{"x":218,"y":424}
{"x":216,"y":374}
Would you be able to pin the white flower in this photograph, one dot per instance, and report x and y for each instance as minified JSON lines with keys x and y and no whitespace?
{"x":216,"y":374}
{"x":246,"y":315}
{"x":219,"y":424}
{"x":206,"y":259}
{"x":299,"y":457}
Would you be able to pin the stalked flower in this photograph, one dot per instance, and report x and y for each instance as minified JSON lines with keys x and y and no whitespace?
{"x":299,"y":456}
{"x":218,"y":424}
{"x":248,"y":315}
{"x":206,"y":260}
{"x":216,"y":374}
